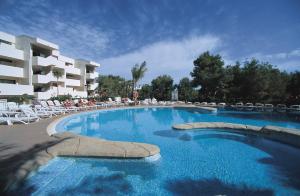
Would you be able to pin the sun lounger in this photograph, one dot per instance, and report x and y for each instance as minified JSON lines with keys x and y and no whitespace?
{"x":28,"y":110}
{"x":294,"y":109}
{"x":281,"y":108}
{"x":12,"y":106}
{"x":154,"y":101}
{"x":9,"y":118}
{"x":69,"y":109}
{"x":221,"y":105}
{"x":49,"y":108}
{"x":249,"y":106}
{"x":269,"y":107}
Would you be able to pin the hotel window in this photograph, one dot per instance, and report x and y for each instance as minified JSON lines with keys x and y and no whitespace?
{"x":5,"y":42}
{"x":7,"y":81}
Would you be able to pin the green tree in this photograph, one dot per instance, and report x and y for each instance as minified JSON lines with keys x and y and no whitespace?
{"x":162,"y":87}
{"x":113,"y":86}
{"x":185,"y":90}
{"x":293,"y":88}
{"x":138,"y":72}
{"x":233,"y":80}
{"x":254,"y":82}
{"x":208,"y":73}
{"x":57,"y":74}
{"x":146,"y":91}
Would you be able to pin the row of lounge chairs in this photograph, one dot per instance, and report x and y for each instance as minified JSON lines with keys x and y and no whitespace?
{"x":256,"y":107}
{"x":267,"y":107}
{"x":153,"y":101}
{"x":11,"y":112}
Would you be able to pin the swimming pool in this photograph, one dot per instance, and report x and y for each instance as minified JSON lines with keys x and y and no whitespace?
{"x":206,"y":162}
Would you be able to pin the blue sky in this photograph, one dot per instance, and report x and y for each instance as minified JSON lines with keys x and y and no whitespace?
{"x":168,"y":34}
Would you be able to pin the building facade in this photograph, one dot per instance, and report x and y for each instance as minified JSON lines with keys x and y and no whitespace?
{"x":34,"y":66}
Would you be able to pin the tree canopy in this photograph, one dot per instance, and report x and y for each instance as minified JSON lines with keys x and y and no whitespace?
{"x":249,"y":81}
{"x":162,"y":87}
{"x":113,"y":86}
{"x":185,"y":90}
{"x":254,"y":81}
{"x":138,"y":72}
{"x":208,"y":72}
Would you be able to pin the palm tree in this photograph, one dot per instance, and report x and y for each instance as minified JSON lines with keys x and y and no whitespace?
{"x":57,"y":74}
{"x":138,"y":72}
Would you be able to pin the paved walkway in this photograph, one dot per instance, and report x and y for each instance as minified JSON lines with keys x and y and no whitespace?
{"x":21,"y":143}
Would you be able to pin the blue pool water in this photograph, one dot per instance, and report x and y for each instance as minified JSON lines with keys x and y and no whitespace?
{"x":206,"y":162}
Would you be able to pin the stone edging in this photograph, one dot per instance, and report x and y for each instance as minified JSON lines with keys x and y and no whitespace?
{"x":281,"y":134}
{"x":93,"y":147}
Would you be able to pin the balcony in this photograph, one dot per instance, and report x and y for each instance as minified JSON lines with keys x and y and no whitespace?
{"x":9,"y":51}
{"x":50,"y":60}
{"x":91,"y":76}
{"x":72,"y":70}
{"x":15,"y":89}
{"x":92,"y":87}
{"x":72,"y":82}
{"x":62,"y":91}
{"x":11,"y":71}
{"x":44,"y":79}
{"x":45,"y":43}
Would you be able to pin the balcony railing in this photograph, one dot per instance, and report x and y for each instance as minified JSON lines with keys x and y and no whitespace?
{"x":72,"y":82}
{"x":92,"y":75}
{"x":9,"y":51}
{"x":11,"y":71}
{"x":50,"y":60}
{"x":72,"y":70}
{"x":15,"y":89}
{"x":44,"y":79}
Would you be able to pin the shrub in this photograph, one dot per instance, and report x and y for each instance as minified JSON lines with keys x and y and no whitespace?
{"x":61,"y":97}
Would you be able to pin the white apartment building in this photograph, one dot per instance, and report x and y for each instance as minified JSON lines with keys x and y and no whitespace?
{"x":27,"y":65}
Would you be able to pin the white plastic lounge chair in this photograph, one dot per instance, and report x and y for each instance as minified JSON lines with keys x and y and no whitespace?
{"x":28,"y":113}
{"x":154,"y":101}
{"x":12,"y":106}
{"x":129,"y":101}
{"x":85,"y":102}
{"x":269,"y":107}
{"x":145,"y":102}
{"x":53,"y":109}
{"x":212,"y":104}
{"x":52,"y":105}
{"x":3,"y":105}
{"x":69,"y":109}
{"x":162,"y":103}
{"x":281,"y":108}
{"x":28,"y":110}
{"x":294,"y":109}
{"x":39,"y":108}
{"x":221,"y":105}
{"x":239,"y":106}
{"x":7,"y":117}
{"x":249,"y":106}
{"x":259,"y":107}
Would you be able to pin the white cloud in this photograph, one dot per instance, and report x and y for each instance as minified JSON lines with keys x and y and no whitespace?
{"x":166,"y":57}
{"x":75,"y":37}
{"x":288,"y":61}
